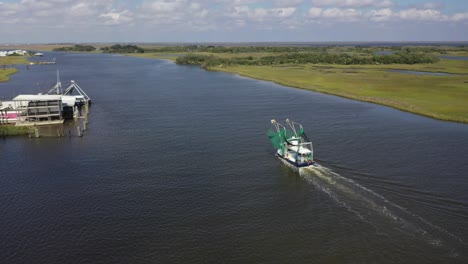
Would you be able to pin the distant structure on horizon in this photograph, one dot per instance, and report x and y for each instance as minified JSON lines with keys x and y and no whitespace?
{"x":13,"y":53}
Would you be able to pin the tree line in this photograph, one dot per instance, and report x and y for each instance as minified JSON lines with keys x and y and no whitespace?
{"x":85,"y":48}
{"x":238,"y":49}
{"x":123,"y":49}
{"x":292,"y":49}
{"x":304,"y":58}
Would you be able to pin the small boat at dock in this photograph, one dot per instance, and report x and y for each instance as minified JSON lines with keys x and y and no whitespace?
{"x":292,"y":145}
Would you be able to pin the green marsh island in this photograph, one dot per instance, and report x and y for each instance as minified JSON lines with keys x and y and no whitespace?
{"x":7,"y":66}
{"x":426,"y":80}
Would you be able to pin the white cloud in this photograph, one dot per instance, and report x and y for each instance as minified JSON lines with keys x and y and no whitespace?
{"x":414,"y":14}
{"x":335,"y":14}
{"x":380,"y":15}
{"x":383,"y":15}
{"x":163,"y":6}
{"x":260,"y":14}
{"x":217,"y":17}
{"x":287,"y":3}
{"x":459,"y":17}
{"x":180,"y":15}
{"x":432,"y":5}
{"x":351,"y":3}
{"x":422,"y":14}
{"x":117,"y":18}
{"x":349,"y":14}
{"x":315,"y":12}
{"x":53,"y":12}
{"x":283,"y":12}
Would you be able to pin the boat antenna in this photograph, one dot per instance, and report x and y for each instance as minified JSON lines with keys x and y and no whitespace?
{"x":59,"y":84}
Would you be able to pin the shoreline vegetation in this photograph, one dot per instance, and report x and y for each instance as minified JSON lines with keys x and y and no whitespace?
{"x":12,"y":130}
{"x":76,"y":48}
{"x":359,"y":73}
{"x":5,"y":74}
{"x":5,"y":66}
{"x":364,"y":73}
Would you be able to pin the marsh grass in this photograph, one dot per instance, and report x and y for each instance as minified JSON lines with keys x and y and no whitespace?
{"x":5,"y":70}
{"x":12,"y":130}
{"x":5,"y":74}
{"x":11,"y":60}
{"x":440,"y":97}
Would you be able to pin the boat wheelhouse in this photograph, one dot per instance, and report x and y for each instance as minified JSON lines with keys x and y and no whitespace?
{"x":291,"y":144}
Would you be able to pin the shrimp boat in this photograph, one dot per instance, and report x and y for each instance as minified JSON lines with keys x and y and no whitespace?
{"x":291,"y":144}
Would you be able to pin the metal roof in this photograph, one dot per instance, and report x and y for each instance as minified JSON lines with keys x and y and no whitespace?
{"x":38,"y":97}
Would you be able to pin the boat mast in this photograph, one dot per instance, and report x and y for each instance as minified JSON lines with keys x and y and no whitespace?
{"x":293,"y":125}
{"x":58,"y":86}
{"x":277,"y":125}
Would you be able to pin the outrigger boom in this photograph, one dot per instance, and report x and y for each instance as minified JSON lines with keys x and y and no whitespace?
{"x":291,"y":144}
{"x":57,"y":89}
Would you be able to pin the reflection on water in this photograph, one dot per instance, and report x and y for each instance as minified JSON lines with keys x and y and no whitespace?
{"x":70,"y":128}
{"x":424,"y":73}
{"x":175,"y":167}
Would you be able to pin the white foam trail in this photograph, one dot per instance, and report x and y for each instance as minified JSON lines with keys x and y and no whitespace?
{"x":359,"y":199}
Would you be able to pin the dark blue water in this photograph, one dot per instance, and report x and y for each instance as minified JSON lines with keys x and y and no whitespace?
{"x":176,"y":168}
{"x":386,"y":52}
{"x":423,"y":73}
{"x":454,"y":57}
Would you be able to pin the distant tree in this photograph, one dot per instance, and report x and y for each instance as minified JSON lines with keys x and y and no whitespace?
{"x":117,"y":48}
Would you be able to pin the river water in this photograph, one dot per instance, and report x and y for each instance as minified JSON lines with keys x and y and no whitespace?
{"x":175,"y":167}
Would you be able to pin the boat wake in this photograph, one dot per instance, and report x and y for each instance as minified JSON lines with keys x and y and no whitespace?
{"x":383,"y":215}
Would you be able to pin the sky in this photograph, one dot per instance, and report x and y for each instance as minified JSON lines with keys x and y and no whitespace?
{"x":88,"y":21}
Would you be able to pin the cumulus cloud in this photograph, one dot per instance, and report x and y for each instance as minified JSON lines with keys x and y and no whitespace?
{"x":335,"y":14}
{"x":117,"y":18}
{"x":351,"y":3}
{"x":384,"y":15}
{"x":52,"y":12}
{"x":315,"y":12}
{"x":215,"y":16}
{"x":260,"y":14}
{"x":422,"y":14}
{"x":180,"y":15}
{"x":432,"y":5}
{"x":380,"y":15}
{"x":287,"y":3}
{"x":414,"y":14}
{"x":459,"y":17}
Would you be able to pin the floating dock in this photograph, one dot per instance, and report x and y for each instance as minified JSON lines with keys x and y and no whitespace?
{"x":48,"y":110}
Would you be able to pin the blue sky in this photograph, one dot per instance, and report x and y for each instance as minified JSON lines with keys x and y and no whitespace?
{"x":48,"y":21}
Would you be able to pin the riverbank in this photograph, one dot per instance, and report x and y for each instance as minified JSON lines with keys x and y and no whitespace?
{"x":443,"y":98}
{"x":5,"y":74}
{"x":442,"y":95}
{"x":439,"y":97}
{"x":12,"y":130}
{"x":5,"y":71}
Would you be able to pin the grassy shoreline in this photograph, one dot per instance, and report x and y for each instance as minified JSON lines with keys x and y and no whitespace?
{"x":439,"y":97}
{"x":12,"y":130}
{"x":5,"y":74}
{"x":396,"y":103}
{"x":10,"y":60}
